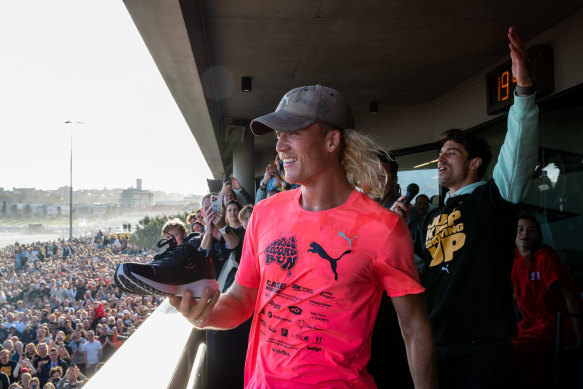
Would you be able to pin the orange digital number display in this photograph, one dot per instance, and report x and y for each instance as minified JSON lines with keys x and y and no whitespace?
{"x":504,"y":86}
{"x":500,"y":88}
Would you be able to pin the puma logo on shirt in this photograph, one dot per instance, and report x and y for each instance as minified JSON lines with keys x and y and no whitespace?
{"x":316,"y":248}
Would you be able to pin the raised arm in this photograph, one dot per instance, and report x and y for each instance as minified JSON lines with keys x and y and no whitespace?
{"x":216,"y":311}
{"x":519,"y":153}
{"x":418,"y":338}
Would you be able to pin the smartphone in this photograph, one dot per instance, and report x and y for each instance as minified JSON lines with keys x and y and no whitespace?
{"x":217,"y":204}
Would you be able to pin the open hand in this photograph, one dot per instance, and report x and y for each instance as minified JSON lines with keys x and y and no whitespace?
{"x":196,"y":311}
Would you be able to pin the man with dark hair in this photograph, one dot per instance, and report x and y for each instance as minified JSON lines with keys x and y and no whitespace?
{"x":475,"y":146}
{"x":467,"y":244}
{"x":76,"y":345}
{"x":54,"y":361}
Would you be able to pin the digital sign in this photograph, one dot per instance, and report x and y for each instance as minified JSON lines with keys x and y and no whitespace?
{"x":500,"y":82}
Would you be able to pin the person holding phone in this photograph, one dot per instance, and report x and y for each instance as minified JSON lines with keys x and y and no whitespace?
{"x":229,"y":192}
{"x":219,"y":239}
{"x":273,"y":180}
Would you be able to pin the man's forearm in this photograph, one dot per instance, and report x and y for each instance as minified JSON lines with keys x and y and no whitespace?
{"x":418,"y":339}
{"x":228,"y":313}
{"x":207,"y":239}
{"x":232,"y":239}
{"x":421,"y":358}
{"x":519,"y":152}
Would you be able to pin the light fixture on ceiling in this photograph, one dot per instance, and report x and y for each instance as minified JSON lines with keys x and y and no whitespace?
{"x":374,"y":107}
{"x":246,"y":84}
{"x":424,"y":164}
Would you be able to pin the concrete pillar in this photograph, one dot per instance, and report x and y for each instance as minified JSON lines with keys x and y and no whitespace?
{"x":244,"y":162}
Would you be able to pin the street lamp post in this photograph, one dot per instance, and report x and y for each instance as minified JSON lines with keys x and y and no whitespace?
{"x":71,"y":180}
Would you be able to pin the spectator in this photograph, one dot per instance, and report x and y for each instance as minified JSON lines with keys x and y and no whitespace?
{"x":59,"y":292}
{"x":4,"y":380}
{"x":543,"y":287}
{"x":25,"y":378}
{"x":73,"y":379}
{"x":46,"y":372}
{"x":392,"y":190}
{"x":63,"y":353}
{"x":106,"y":341}
{"x":245,"y":215}
{"x":229,"y":192}
{"x":191,"y":220}
{"x":30,"y":352}
{"x":418,"y":212}
{"x":197,"y":227}
{"x":232,"y":215}
{"x":8,"y":345}
{"x":35,"y":383}
{"x":80,"y":289}
{"x":55,"y":375}
{"x":76,"y":346}
{"x":467,"y":244}
{"x":18,"y":351}
{"x":41,"y":358}
{"x":273,"y":180}
{"x":67,"y":252}
{"x":8,"y":366}
{"x":92,"y":353}
{"x":220,"y":240}
{"x":226,"y":349}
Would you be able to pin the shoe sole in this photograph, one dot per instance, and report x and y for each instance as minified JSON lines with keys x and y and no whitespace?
{"x":143,"y":285}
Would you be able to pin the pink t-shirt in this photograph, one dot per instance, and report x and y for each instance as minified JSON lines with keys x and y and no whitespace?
{"x":320,"y":276}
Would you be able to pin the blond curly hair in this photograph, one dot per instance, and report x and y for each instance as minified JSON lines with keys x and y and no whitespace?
{"x":359,"y":158}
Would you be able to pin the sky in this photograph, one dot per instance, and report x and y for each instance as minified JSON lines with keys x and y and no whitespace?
{"x":84,"y":61}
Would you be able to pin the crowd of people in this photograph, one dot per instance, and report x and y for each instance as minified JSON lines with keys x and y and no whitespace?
{"x":61,"y":314}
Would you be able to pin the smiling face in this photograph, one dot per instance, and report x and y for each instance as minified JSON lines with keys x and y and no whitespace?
{"x":454,"y":167}
{"x":307,"y":153}
{"x":29,"y":349}
{"x":4,"y":357}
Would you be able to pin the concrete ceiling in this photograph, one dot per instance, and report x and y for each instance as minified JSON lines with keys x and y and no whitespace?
{"x":399,"y":53}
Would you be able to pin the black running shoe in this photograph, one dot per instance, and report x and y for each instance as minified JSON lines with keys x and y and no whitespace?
{"x":169,"y":274}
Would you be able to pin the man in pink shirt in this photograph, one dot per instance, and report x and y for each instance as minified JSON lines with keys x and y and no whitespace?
{"x":316,"y":259}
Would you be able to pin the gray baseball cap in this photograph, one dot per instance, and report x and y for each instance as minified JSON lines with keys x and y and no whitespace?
{"x":304,"y":106}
